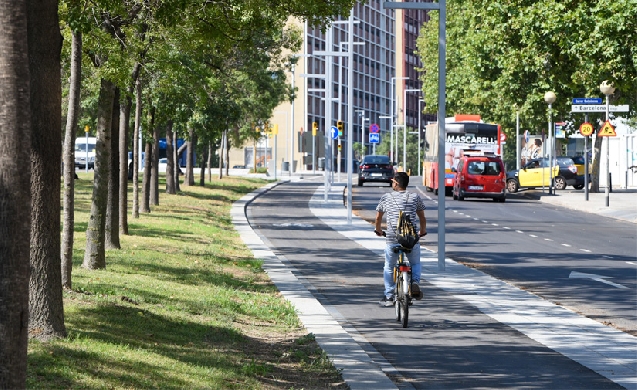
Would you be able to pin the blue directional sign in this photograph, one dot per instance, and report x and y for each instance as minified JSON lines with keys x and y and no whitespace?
{"x":374,"y":138}
{"x":334,"y":132}
{"x":587,"y":100}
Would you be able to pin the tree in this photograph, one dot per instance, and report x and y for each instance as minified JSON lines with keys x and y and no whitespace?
{"x":69,"y":158}
{"x":46,"y":311}
{"x":502,"y":55}
{"x":15,"y":210}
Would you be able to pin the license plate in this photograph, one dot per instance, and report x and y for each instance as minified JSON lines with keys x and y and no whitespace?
{"x":475,"y":188}
{"x":377,"y":174}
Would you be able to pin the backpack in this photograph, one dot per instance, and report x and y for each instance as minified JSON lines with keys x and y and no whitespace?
{"x":405,"y":229}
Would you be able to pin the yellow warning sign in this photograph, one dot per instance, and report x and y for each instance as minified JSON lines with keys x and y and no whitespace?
{"x":586,"y":129}
{"x":607,"y":130}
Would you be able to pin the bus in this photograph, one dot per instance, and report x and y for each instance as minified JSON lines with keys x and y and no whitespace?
{"x":463,"y":133}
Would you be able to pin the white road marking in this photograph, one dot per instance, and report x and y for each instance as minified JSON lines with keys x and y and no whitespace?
{"x":519,"y":231}
{"x":568,"y":245}
{"x":495,"y":224}
{"x":532,"y":235}
{"x":597,"y":278}
{"x":506,"y":227}
{"x":630,"y":262}
{"x":585,"y":250}
{"x":547,"y":239}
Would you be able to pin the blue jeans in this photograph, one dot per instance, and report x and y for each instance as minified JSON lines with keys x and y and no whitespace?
{"x":390,"y":260}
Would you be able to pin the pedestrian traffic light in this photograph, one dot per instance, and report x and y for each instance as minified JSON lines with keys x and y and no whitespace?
{"x":339,"y":126}
{"x":314,"y":128}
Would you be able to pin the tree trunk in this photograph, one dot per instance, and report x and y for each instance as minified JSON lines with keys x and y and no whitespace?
{"x":146,"y":178}
{"x":15,"y":207}
{"x":202,"y":172}
{"x":136,"y":156}
{"x":46,"y":310}
{"x":66,"y":251}
{"x":178,"y":153}
{"x":124,"y":117}
{"x":170,"y":166}
{"x":227,"y":154}
{"x":189,"y":179}
{"x":112,"y":203}
{"x":94,"y":255}
{"x":209,"y":161}
{"x":124,"y":120}
{"x":597,"y":146}
{"x":154,"y":178}
{"x":221,"y":152}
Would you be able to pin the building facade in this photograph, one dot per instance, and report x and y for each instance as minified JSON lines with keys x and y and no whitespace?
{"x":385,"y":82}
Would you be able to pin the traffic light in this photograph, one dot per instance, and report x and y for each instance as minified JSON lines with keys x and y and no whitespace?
{"x":339,"y":126}
{"x":314,"y":128}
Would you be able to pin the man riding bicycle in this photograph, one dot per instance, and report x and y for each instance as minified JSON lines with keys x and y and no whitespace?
{"x":391,"y":204}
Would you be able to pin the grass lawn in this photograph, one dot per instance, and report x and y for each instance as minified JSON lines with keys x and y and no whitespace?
{"x":182,"y":305}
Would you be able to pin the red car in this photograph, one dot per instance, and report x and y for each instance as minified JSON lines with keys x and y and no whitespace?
{"x":480,"y":176}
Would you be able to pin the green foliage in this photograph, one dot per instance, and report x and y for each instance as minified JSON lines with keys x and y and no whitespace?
{"x":503,"y":56}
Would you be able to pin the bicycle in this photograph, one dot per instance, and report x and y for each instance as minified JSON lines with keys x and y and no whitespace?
{"x":403,"y":281}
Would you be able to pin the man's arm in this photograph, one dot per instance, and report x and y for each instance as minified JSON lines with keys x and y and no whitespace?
{"x":379,"y":220}
{"x":423,"y":222}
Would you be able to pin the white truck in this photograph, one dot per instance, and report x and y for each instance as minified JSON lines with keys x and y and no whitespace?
{"x":85,"y":152}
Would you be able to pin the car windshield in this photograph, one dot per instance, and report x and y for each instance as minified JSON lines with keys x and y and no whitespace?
{"x":82,"y":147}
{"x":376,"y":160}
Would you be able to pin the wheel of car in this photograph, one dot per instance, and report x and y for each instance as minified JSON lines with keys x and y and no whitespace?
{"x":436,"y":191}
{"x":560,"y":183}
{"x":579,"y":186}
{"x":460,"y":197}
{"x":360,"y":183}
{"x":512,"y":185}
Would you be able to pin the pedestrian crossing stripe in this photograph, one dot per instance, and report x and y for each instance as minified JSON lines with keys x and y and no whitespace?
{"x":607,"y":130}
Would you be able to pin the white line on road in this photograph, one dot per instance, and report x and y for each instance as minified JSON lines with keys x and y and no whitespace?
{"x":519,"y":231}
{"x":597,"y":278}
{"x":585,"y":250}
{"x":532,"y":235}
{"x":568,"y":245}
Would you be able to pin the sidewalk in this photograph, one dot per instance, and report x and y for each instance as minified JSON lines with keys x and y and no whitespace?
{"x":622,"y":203}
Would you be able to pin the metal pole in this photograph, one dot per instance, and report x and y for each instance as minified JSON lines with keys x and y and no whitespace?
{"x":550,"y":150}
{"x":328,"y":109}
{"x":350,"y":112}
{"x":607,"y":192}
{"x":362,"y":133}
{"x":291,"y":166}
{"x":419,"y":130}
{"x":86,"y":161}
{"x":517,"y":139}
{"x":586,"y":162}
{"x":391,"y":124}
{"x":442,"y":85}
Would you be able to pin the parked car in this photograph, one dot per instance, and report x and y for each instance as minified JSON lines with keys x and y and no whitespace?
{"x":536,"y":174}
{"x":581,"y":171}
{"x":480,"y":176}
{"x":375,"y":169}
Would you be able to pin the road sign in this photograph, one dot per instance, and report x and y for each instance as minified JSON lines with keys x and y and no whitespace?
{"x":334,"y":132}
{"x":559,"y":130}
{"x":586,"y":129}
{"x":607,"y":130}
{"x":503,"y":137}
{"x":598,"y":108}
{"x":374,"y":138}
{"x":373,"y":128}
{"x":587,"y":100}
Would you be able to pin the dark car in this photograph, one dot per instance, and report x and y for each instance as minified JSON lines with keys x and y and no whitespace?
{"x":535,"y":174}
{"x":375,"y":169}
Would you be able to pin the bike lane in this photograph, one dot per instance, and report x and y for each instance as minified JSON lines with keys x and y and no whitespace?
{"x":450,"y":343}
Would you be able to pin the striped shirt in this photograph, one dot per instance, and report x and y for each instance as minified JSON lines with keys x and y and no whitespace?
{"x":392,"y":203}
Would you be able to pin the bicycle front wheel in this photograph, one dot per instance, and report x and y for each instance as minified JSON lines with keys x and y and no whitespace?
{"x":404,"y":311}
{"x":397,"y":299}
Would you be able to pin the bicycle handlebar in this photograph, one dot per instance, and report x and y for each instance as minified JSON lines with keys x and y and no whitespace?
{"x":382,"y":233}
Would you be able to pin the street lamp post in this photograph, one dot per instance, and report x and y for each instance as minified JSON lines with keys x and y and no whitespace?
{"x":405,"y":127}
{"x":419,"y":131}
{"x":549,"y":97}
{"x":391,"y":144}
{"x":607,"y":89}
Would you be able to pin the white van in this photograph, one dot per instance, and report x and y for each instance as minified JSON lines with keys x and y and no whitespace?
{"x":85,"y":152}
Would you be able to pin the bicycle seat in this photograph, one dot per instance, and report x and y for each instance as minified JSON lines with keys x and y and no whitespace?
{"x":397,"y":249}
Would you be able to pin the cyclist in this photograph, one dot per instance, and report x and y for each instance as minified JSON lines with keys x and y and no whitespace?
{"x":391,"y":204}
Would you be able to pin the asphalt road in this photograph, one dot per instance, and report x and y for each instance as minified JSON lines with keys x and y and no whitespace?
{"x":449,"y":344}
{"x":553,"y":252}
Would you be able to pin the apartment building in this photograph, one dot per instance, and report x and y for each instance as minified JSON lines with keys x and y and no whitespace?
{"x":385,"y":82}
